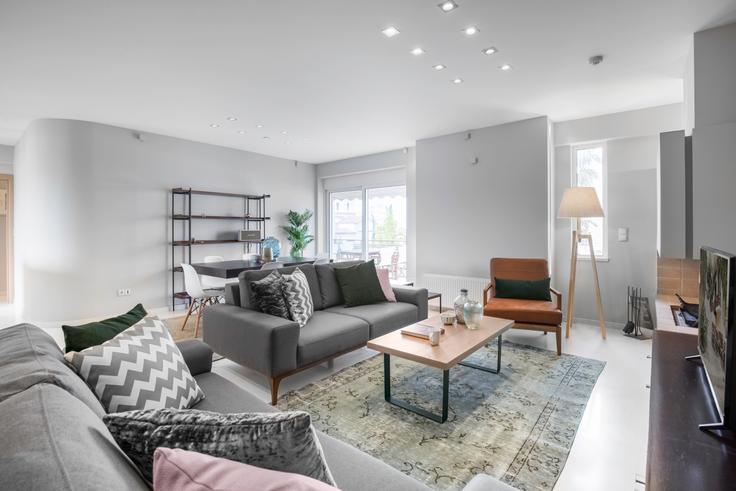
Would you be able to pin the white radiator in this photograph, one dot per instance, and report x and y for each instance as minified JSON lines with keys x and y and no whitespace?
{"x":449,"y":286}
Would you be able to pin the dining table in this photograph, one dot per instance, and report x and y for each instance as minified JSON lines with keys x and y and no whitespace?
{"x":231,"y":269}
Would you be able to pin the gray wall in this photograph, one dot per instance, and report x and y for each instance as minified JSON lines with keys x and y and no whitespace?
{"x":632,"y":203}
{"x":92,"y":204}
{"x":6,"y":159}
{"x":672,"y":185}
{"x":466,"y":214}
{"x":714,"y":139}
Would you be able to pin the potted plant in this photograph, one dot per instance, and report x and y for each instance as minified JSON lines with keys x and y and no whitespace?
{"x":297,"y":231}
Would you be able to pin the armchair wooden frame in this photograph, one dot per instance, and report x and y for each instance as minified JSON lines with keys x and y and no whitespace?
{"x":545,"y":328}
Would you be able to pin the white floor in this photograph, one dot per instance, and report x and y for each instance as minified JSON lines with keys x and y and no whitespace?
{"x":609,"y":452}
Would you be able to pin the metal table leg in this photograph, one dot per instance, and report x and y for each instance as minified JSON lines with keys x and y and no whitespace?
{"x":486,"y":369}
{"x":410,"y":407}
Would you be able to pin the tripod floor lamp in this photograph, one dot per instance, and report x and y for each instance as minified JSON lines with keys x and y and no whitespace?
{"x":581,"y":202}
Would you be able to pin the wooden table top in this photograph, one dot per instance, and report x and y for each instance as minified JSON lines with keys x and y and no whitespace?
{"x":457,"y":343}
{"x":231,"y":269}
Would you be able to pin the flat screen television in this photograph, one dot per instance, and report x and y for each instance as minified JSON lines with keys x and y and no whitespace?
{"x":717,"y":333}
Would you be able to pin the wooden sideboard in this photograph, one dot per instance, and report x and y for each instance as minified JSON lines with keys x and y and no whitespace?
{"x":680,"y":456}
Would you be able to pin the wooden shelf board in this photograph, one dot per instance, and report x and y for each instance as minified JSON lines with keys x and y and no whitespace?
{"x":221,"y":241}
{"x":181,"y":295}
{"x":220,"y":217}
{"x":217,"y":193}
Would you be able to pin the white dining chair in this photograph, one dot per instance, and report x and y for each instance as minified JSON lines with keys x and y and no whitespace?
{"x":199,"y":297}
{"x":213,"y":282}
{"x":271,"y":265}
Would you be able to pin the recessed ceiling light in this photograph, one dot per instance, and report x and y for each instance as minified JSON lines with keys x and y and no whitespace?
{"x":288,"y":142}
{"x":266,"y":138}
{"x":457,"y":81}
{"x":417,"y":51}
{"x":241,"y":132}
{"x":390,"y":32}
{"x":489,"y":51}
{"x":284,"y":132}
{"x":505,"y":67}
{"x":259,"y":126}
{"x":448,"y":6}
{"x":232,"y":118}
{"x":439,"y":67}
{"x":214,"y":125}
{"x":471,"y":31}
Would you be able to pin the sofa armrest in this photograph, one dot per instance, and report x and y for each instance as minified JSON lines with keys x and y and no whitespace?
{"x":559,"y":297}
{"x":232,"y":294}
{"x":416,"y":296}
{"x":197,"y":355}
{"x":486,"y":291}
{"x":263,"y":342}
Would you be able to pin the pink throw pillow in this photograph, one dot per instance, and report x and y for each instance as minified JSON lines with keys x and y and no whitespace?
{"x":175,"y":469}
{"x":388,"y":292}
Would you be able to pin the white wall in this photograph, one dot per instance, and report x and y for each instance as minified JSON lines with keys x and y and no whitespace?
{"x":92,"y":205}
{"x":6,"y":159}
{"x":466,"y":214}
{"x":385,"y":168}
{"x":714,"y":139}
{"x":632,"y":203}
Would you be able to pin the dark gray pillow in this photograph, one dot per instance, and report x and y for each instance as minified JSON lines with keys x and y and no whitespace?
{"x":268,"y":295}
{"x":284,"y":441}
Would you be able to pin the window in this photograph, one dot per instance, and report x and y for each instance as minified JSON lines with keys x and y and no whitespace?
{"x":370,"y":223}
{"x":589,"y":169}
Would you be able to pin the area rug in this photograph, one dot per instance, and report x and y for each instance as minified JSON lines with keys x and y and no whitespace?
{"x":175,"y":328}
{"x":517,"y":426}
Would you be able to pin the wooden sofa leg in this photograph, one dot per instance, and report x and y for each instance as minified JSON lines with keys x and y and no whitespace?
{"x":275,"y":390}
{"x":558,"y":335}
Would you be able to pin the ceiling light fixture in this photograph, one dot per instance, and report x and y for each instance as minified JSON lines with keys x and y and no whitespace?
{"x":266,"y":138}
{"x":457,"y":81}
{"x":448,"y":6}
{"x":241,"y":132}
{"x":505,"y":67}
{"x":259,"y":126}
{"x":417,"y":51}
{"x":232,"y":118}
{"x":439,"y":67}
{"x":471,"y":31}
{"x":390,"y":32}
{"x":284,"y":132}
{"x":214,"y":125}
{"x":489,"y":51}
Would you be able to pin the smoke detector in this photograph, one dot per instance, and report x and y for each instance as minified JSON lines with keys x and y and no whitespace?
{"x":595,"y":60}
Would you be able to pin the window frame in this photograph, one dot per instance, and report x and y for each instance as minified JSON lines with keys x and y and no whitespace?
{"x":364,"y":193}
{"x":574,"y":149}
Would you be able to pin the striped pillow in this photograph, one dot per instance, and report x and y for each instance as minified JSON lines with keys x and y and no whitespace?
{"x":298,"y":297}
{"x":140,"y":368}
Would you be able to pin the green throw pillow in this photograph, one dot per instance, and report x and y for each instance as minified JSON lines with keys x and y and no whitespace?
{"x":82,"y":337}
{"x":523,"y":289}
{"x":359,"y":284}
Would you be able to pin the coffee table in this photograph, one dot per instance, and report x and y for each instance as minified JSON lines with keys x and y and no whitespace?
{"x":457,"y":343}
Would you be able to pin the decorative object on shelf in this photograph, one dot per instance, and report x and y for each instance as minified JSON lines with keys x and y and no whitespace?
{"x":581,"y":202}
{"x":249,"y":235}
{"x":448,"y":318}
{"x":274,"y":244}
{"x":459,"y":304}
{"x":472,"y":312}
{"x":297,"y":231}
{"x":267,"y":255}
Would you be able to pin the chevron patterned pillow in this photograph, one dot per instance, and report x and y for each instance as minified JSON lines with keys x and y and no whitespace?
{"x":298,"y":297}
{"x":140,"y":368}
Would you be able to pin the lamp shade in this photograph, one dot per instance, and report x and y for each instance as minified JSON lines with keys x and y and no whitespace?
{"x":580,"y":202}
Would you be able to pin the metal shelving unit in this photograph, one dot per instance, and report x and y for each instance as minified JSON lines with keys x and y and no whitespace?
{"x":253,"y":218}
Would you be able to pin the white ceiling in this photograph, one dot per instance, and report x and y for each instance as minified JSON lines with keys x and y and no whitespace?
{"x":323,"y":71}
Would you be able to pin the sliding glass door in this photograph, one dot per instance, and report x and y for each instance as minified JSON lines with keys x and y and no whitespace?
{"x":370,"y":223}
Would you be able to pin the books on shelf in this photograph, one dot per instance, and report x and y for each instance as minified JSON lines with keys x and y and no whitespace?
{"x":420,"y":331}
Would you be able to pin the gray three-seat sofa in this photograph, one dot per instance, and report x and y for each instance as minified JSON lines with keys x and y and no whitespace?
{"x":277,"y":347}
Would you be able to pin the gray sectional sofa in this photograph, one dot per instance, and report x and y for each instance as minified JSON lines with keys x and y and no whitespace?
{"x":53,"y":437}
{"x":277,"y":347}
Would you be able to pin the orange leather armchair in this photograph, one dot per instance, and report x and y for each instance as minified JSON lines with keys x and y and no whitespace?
{"x":534,"y":315}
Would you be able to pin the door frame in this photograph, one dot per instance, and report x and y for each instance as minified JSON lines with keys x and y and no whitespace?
{"x":8,"y":297}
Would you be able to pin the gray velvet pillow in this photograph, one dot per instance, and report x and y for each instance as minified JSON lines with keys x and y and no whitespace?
{"x":284,"y":441}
